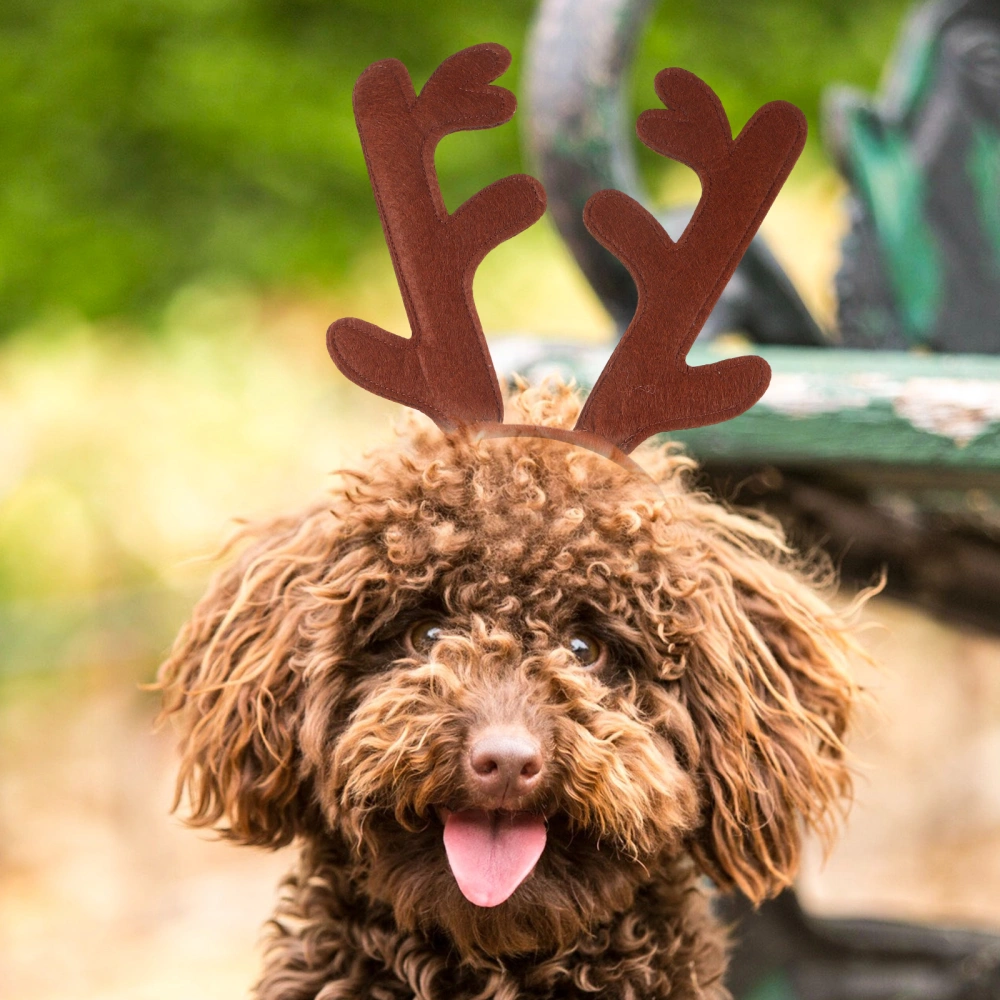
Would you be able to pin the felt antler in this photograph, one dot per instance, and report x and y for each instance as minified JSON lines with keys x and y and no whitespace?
{"x":647,"y":386}
{"x":444,"y":369}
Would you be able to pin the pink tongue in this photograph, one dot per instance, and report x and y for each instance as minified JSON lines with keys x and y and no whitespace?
{"x":492,"y":853}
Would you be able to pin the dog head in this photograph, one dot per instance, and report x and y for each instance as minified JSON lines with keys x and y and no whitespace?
{"x":516,"y":680}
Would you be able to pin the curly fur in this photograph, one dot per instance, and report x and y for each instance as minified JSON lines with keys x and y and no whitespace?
{"x":711,"y":735}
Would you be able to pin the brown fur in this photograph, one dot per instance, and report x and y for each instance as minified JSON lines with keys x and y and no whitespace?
{"x":712,"y":734}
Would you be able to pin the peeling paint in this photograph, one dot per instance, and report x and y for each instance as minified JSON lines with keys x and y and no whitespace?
{"x":933,"y":394}
{"x":808,"y":395}
{"x":961,"y":409}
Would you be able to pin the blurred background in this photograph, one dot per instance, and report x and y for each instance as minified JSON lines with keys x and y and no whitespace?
{"x":184,"y":208}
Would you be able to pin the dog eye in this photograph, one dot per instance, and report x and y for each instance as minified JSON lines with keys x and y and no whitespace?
{"x":423,"y":635}
{"x":587,"y":650}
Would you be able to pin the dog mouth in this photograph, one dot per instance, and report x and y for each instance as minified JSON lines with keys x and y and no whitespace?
{"x":492,"y":851}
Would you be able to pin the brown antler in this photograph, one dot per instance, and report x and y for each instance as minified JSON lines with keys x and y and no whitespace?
{"x":444,"y":369}
{"x":647,"y":386}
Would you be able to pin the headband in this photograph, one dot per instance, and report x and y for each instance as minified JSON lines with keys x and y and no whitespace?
{"x":444,"y":369}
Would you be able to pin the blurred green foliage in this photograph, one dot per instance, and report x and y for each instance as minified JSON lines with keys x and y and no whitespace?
{"x":146,"y":144}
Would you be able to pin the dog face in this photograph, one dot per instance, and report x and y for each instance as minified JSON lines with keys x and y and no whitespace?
{"x":517,"y":680}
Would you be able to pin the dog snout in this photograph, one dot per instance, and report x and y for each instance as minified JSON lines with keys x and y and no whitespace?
{"x":505,"y":763}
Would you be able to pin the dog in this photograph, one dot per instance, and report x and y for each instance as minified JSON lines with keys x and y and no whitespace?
{"x":516,"y":695}
{"x":517,"y":704}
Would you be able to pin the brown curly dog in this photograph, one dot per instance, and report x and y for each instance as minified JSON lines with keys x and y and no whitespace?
{"x":513,"y":701}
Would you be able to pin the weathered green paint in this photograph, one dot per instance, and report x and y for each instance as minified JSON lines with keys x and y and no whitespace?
{"x":895,"y":190}
{"x":912,"y":64}
{"x":776,"y":986}
{"x":920,"y":262}
{"x":984,"y":172}
{"x":829,"y":407}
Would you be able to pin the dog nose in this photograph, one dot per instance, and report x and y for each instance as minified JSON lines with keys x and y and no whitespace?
{"x":506,"y":762}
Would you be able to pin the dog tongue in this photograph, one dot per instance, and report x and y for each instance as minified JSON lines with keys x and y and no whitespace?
{"x":492,"y":853}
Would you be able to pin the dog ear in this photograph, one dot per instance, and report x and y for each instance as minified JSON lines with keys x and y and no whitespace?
{"x":235,"y":685}
{"x":769,"y":689}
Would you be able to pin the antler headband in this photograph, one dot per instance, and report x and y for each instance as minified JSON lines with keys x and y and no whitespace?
{"x":444,"y":368}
